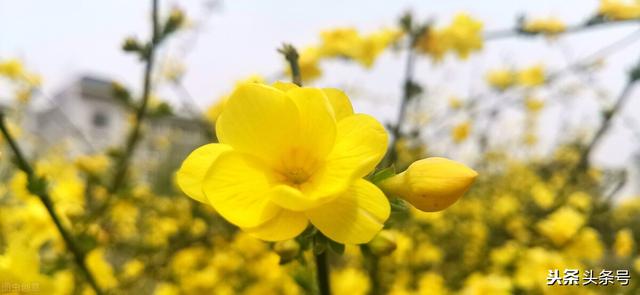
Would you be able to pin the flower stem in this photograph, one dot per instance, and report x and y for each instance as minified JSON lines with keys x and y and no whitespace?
{"x":291,"y":55}
{"x":37,"y":186}
{"x":407,"y":93}
{"x":322,"y":273}
{"x":141,"y":111}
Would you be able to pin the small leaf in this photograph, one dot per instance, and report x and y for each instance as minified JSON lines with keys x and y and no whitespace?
{"x":383,"y":174}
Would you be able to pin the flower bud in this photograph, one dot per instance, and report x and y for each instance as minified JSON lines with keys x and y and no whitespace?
{"x":383,"y":244}
{"x":431,"y":184}
{"x":287,"y":250}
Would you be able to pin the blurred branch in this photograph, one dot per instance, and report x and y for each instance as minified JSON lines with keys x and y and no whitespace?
{"x":409,"y":90}
{"x":291,"y":55}
{"x":38,"y":186}
{"x":134,"y":135}
{"x":520,"y":32}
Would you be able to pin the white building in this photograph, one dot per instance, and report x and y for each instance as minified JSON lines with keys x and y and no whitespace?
{"x":87,"y":118}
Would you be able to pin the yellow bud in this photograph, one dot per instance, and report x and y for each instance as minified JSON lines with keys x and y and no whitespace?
{"x":383,"y":244}
{"x":287,"y":250}
{"x":431,"y":184}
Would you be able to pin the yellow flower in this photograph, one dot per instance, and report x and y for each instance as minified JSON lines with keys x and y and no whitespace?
{"x":289,"y":156}
{"x":93,"y":165}
{"x":534,"y":105}
{"x":479,"y":284}
{"x":101,"y":269}
{"x":214,"y":111}
{"x":349,"y":281}
{"x":619,"y":9}
{"x":542,"y":195}
{"x":431,"y":184}
{"x":561,"y":225}
{"x":461,"y":132}
{"x":532,"y":76}
{"x":432,"y":283}
{"x":465,"y":34}
{"x":586,"y":236}
{"x":549,"y":26}
{"x":340,"y":42}
{"x":374,"y":44}
{"x":309,"y":64}
{"x":500,"y":79}
{"x":12,"y":69}
{"x":624,"y":243}
{"x":434,"y":42}
{"x":455,"y":103}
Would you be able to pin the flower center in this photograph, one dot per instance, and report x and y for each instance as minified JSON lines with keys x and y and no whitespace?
{"x":297,"y":176}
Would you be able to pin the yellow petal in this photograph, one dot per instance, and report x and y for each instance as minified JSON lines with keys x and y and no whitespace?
{"x":238,"y":188}
{"x":285,"y":225}
{"x":292,"y":199}
{"x":340,"y":102}
{"x":317,"y":121}
{"x":194,"y":168}
{"x":285,"y":86}
{"x":259,"y":120}
{"x":431,"y":184}
{"x":354,"y":217}
{"x":361,"y":142}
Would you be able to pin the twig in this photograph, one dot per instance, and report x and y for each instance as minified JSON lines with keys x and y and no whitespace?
{"x":519,"y":32}
{"x":134,"y":136}
{"x":37,"y":186}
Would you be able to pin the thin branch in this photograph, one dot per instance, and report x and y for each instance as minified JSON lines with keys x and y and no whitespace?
{"x":134,"y":136}
{"x":519,"y":32}
{"x":37,"y":186}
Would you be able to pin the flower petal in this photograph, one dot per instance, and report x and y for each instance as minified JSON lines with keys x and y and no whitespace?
{"x":258,"y":120}
{"x":284,"y":226}
{"x":238,"y":187}
{"x":194,"y":168}
{"x":317,"y":121}
{"x":361,"y":143}
{"x":284,"y":86}
{"x":354,"y":217}
{"x":340,"y":102}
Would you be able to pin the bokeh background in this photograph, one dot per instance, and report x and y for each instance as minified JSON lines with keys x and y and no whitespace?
{"x":533,"y":209}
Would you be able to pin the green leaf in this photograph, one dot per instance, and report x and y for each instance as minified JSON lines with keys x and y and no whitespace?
{"x":383,"y":174}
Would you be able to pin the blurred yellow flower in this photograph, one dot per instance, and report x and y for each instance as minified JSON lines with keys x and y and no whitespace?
{"x":289,"y":155}
{"x":533,"y":104}
{"x":465,"y":34}
{"x":455,"y":103}
{"x":586,"y":236}
{"x":348,"y":43}
{"x":619,"y":9}
{"x":434,"y":42}
{"x":92,"y":164}
{"x":461,"y":132}
{"x":532,"y":76}
{"x":101,"y":269}
{"x":309,"y":64}
{"x":548,"y":26}
{"x":349,"y":281}
{"x":480,"y":284}
{"x":501,"y":79}
{"x":431,"y":184}
{"x":432,"y":283}
{"x":12,"y":69}
{"x":561,"y":225}
{"x":624,"y":243}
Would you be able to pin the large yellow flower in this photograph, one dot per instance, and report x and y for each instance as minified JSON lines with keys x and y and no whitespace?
{"x":289,"y":156}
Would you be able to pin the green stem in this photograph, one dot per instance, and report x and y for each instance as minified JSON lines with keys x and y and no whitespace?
{"x":322,"y":273}
{"x":134,"y":136}
{"x":396,"y":129}
{"x":291,"y":55}
{"x":372,"y":263}
{"x":36,"y":186}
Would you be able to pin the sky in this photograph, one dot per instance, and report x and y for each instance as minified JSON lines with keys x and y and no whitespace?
{"x":63,"y":39}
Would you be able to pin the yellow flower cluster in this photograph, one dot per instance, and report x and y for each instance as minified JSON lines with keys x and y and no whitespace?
{"x":619,"y":9}
{"x":502,"y":79}
{"x":25,"y":82}
{"x":550,"y":26}
{"x":346,"y":43}
{"x":463,"y":36}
